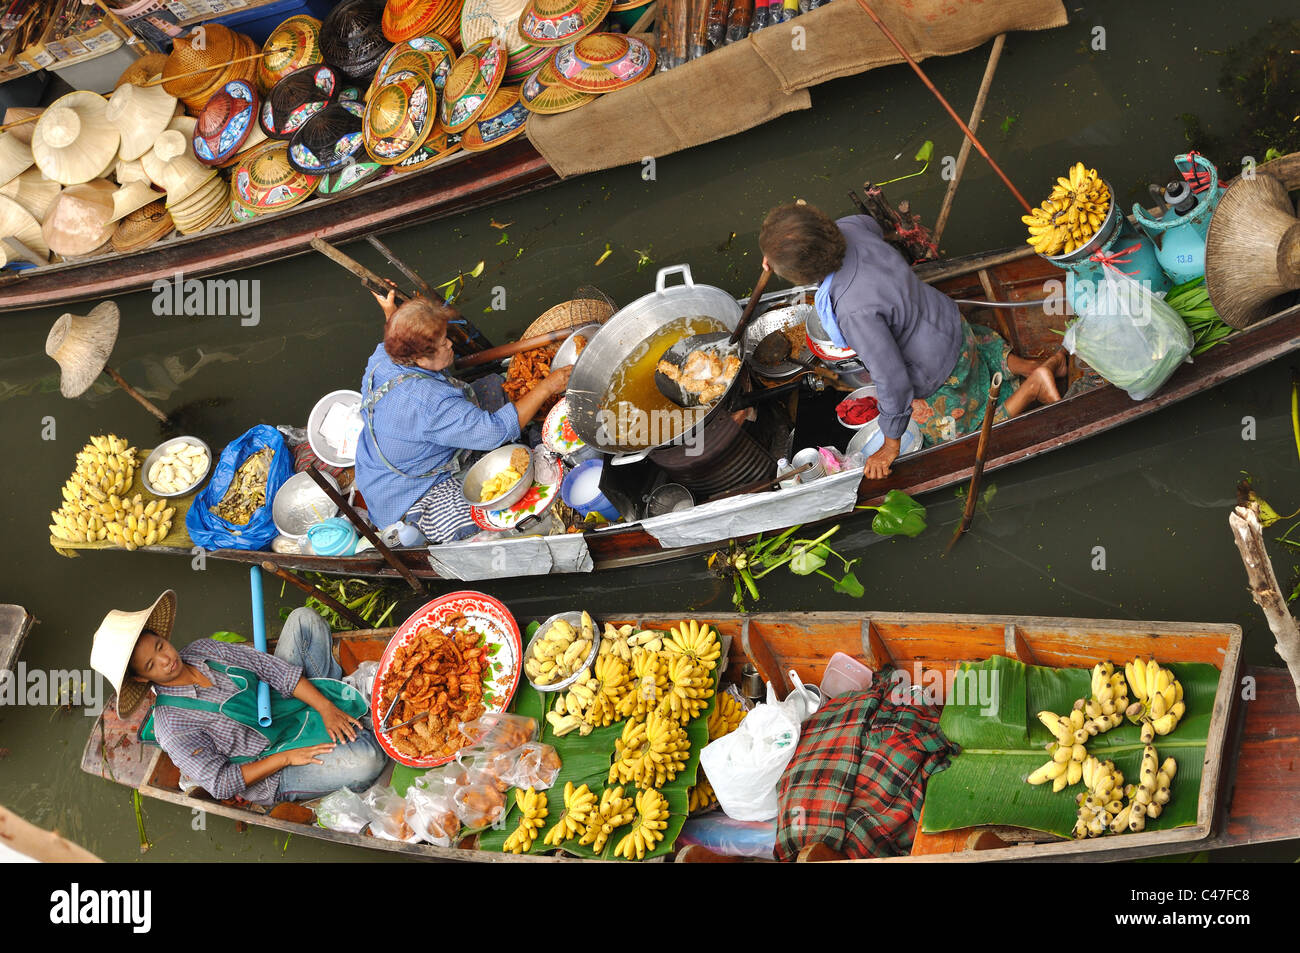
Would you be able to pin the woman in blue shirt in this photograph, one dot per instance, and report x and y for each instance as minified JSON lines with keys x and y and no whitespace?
{"x":926,"y":360}
{"x":421,"y":424}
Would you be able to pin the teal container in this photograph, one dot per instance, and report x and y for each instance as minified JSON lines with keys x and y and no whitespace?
{"x":1180,"y":238}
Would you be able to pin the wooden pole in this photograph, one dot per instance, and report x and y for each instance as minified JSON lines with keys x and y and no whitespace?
{"x":213,"y":68}
{"x":943,"y":102}
{"x":131,"y":391}
{"x":506,"y":350}
{"x":422,"y":286}
{"x":364,"y":529}
{"x":764,"y":276}
{"x":315,"y":593}
{"x":370,"y":279}
{"x":981,"y":449}
{"x":42,"y":845}
{"x":976,"y":115}
{"x":1249,"y":537}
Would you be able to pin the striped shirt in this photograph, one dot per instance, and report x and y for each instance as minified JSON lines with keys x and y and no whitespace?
{"x":420,"y":424}
{"x":201,"y":744}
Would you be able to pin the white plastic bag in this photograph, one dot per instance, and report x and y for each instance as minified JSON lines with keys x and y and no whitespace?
{"x":363,"y":679}
{"x":745,"y":766}
{"x":343,"y":810}
{"x":387,"y":814}
{"x":1128,"y":335}
{"x":429,"y":814}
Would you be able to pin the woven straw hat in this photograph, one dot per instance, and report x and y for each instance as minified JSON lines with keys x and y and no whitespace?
{"x":110,"y":653}
{"x":172,"y":167}
{"x":15,"y":157}
{"x":226,"y":122}
{"x":295,"y":43}
{"x":143,"y":70}
{"x":16,"y":114}
{"x":198,"y":60}
{"x":352,"y":37}
{"x":556,"y":22}
{"x":131,"y":196}
{"x":329,"y":140}
{"x":73,"y":141}
{"x":19,"y":223}
{"x":349,"y":177}
{"x":132,"y":171}
{"x":140,"y":114}
{"x":266,"y":182}
{"x":81,"y":344}
{"x":430,"y":54}
{"x":297,"y":98}
{"x":143,"y":227}
{"x":523,"y":63}
{"x":474,"y":77}
{"x":483,"y":19}
{"x":399,"y":116}
{"x":438,"y":146}
{"x":33,"y":191}
{"x":543,"y":93}
{"x":406,"y":19}
{"x":501,"y":120}
{"x":80,"y":219}
{"x":603,"y":62}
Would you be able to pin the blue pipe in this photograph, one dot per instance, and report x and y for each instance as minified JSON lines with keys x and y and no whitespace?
{"x":259,"y":643}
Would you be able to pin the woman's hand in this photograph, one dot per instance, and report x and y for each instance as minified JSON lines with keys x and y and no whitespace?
{"x":341,"y":726}
{"x":556,"y":381}
{"x":388,"y":303}
{"x":877,"y":465}
{"x":308,"y":755}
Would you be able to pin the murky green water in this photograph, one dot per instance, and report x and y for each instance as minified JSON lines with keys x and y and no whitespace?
{"x":1155,"y":493}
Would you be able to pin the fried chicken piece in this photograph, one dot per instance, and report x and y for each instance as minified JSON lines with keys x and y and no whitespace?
{"x":700,"y":365}
{"x":669,"y":370}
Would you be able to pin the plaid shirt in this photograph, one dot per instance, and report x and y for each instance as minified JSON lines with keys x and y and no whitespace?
{"x":421,"y":424}
{"x":857,"y":778}
{"x":201,"y":744}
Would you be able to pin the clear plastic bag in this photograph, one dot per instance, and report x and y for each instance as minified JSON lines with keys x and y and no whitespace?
{"x":479,"y":805}
{"x":343,"y":810}
{"x":429,"y":814}
{"x":488,"y":763}
{"x":388,"y":814}
{"x":535,"y":766}
{"x":500,"y":731}
{"x":1128,"y":335}
{"x":363,"y":678}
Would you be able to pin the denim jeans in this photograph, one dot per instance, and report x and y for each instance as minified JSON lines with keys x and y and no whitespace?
{"x":305,"y":641}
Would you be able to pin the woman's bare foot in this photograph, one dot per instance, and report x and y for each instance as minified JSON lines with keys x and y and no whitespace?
{"x":1038,"y":387}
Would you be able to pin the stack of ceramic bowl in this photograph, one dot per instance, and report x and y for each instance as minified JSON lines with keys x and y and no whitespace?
{"x":429,"y":54}
{"x":203,"y":62}
{"x":474,"y":77}
{"x":292,"y":45}
{"x":399,"y":116}
{"x":265,"y":182}
{"x":503,"y":118}
{"x":406,"y":19}
{"x":352,"y":39}
{"x":196,"y":195}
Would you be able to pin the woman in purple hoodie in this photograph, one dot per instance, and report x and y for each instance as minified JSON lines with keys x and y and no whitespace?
{"x":926,"y":360}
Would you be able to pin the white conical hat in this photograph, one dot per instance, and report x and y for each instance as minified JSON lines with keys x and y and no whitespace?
{"x":33,"y":191}
{"x":172,"y":166}
{"x":15,"y":157}
{"x":131,"y":196}
{"x":81,"y":219}
{"x":17,"y":222}
{"x":141,"y":114}
{"x":132,"y":171}
{"x":110,"y":653}
{"x":74,"y":141}
{"x":81,"y":344}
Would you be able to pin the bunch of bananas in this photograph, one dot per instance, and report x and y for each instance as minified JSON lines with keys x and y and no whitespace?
{"x":1159,"y":706}
{"x":615,"y":641}
{"x":695,"y":641}
{"x":1101,"y":803}
{"x":647,"y":828}
{"x":579,"y":805}
{"x":648,"y":683}
{"x":1066,"y":766}
{"x":614,"y":811}
{"x":1071,"y":215}
{"x":1104,"y":710}
{"x":688,"y":690}
{"x":532,"y":814}
{"x":1149,"y":797}
{"x":560,"y":652}
{"x":93,"y":509}
{"x":650,"y":753}
{"x":701,"y":797}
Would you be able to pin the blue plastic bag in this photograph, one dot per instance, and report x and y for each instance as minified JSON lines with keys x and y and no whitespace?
{"x":210,"y":531}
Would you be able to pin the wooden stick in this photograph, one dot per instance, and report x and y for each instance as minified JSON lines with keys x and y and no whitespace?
{"x":750,"y":305}
{"x":1249,"y":537}
{"x":315,"y":593}
{"x":144,"y":402}
{"x":943,"y":102}
{"x":364,"y":529}
{"x":42,"y":845}
{"x":981,"y":449}
{"x":20,"y":122}
{"x":976,"y":114}
{"x":370,"y":279}
{"x":643,"y":22}
{"x":420,"y":284}
{"x":211,"y":69}
{"x":518,"y":347}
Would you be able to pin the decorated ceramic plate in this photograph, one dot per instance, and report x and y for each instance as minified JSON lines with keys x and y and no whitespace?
{"x":548,"y":475}
{"x":557,"y":434}
{"x":498,"y":631}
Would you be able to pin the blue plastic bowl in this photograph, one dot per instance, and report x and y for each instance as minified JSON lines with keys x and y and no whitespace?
{"x":598,"y":504}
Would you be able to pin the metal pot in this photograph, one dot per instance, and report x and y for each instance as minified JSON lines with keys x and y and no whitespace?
{"x":618,"y":341}
{"x":778,"y":319}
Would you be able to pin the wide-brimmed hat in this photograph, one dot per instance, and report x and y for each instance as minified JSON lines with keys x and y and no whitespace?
{"x":350,"y":176}
{"x":292,"y":45}
{"x":474,"y":77}
{"x":15,"y":157}
{"x":543,"y":93}
{"x":406,"y":19}
{"x":438,"y":146}
{"x":34,"y":192}
{"x":399,"y":116}
{"x":556,"y":22}
{"x":352,"y":38}
{"x":297,"y":98}
{"x":266,"y":182}
{"x":172,"y":167}
{"x":81,"y":344}
{"x":430,"y":54}
{"x":206,"y":207}
{"x":20,"y":224}
{"x":329,"y":140}
{"x":143,"y":69}
{"x":140,"y":114}
{"x":603,"y":62}
{"x":131,"y":196}
{"x":73,"y":141}
{"x":226,"y":122}
{"x":143,"y":227}
{"x":80,"y":220}
{"x":483,"y":19}
{"x":501,"y":120}
{"x":110,"y":652}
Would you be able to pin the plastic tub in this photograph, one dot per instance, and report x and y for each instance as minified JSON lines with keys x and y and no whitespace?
{"x":581,"y":491}
{"x":843,"y":674}
{"x":258,"y":21}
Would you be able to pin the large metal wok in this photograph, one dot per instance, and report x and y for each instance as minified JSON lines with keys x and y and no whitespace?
{"x":620,"y":339}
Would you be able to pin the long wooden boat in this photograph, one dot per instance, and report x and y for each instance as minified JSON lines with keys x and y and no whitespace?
{"x":15,"y":623}
{"x":1248,"y":794}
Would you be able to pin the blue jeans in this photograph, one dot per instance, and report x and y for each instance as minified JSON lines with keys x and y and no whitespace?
{"x":305,"y":641}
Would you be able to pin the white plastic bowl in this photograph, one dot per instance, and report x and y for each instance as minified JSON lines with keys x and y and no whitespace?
{"x":323,"y":450}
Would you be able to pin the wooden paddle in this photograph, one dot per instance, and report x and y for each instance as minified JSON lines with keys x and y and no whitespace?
{"x":518,"y":347}
{"x":364,"y":529}
{"x":315,"y":593}
{"x":981,"y":449}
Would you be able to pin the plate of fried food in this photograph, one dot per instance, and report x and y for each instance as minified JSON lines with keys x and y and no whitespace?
{"x":456,"y":658}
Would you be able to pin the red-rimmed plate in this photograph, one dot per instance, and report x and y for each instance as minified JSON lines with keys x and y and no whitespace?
{"x":484,"y":615}
{"x":558,"y":436}
{"x":549,"y":474}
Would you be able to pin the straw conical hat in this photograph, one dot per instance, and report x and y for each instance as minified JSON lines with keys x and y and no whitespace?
{"x":474,"y":77}
{"x":399,"y":116}
{"x":143,"y":69}
{"x":225,"y":123}
{"x":503,"y":118}
{"x":438,"y":146}
{"x":17,"y":222}
{"x":74,"y":141}
{"x":16,"y":114}
{"x":132,"y":171}
{"x":603,"y":62}
{"x":172,"y":167}
{"x":543,"y":93}
{"x":143,"y":227}
{"x":81,"y":219}
{"x":15,"y":157}
{"x":295,"y":43}
{"x":185,"y":125}
{"x":141,"y":114}
{"x":33,"y":191}
{"x":352,"y":38}
{"x":484,"y":19}
{"x":556,"y":22}
{"x":131,"y":196}
{"x":110,"y":653}
{"x":209,"y":49}
{"x":81,"y":346}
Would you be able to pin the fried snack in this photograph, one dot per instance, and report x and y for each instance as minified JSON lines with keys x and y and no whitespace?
{"x":527,"y":370}
{"x":247,"y":491}
{"x":448,"y":667}
{"x":703,"y":373}
{"x":579,"y":345}
{"x":519,"y":459}
{"x":499,"y":483}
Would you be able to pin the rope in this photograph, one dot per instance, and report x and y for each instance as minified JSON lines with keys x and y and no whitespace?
{"x":1114,"y":259}
{"x":1196,"y":177}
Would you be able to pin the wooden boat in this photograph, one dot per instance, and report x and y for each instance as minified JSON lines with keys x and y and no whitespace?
{"x":15,"y":623}
{"x":1248,"y":794}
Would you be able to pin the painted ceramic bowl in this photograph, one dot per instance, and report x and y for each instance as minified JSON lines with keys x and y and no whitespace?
{"x":225,"y":123}
{"x":603,"y":62}
{"x":474,"y":77}
{"x":399,"y":117}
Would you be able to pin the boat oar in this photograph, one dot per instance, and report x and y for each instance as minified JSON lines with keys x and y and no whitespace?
{"x":259,"y":643}
{"x":316,"y":593}
{"x":972,"y":492}
{"x":346,"y":508}
{"x":411,"y":274}
{"x":506,"y":350}
{"x":373,"y":282}
{"x":966,"y":130}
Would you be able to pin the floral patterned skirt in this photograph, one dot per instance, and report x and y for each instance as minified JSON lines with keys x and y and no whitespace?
{"x":957,"y":407}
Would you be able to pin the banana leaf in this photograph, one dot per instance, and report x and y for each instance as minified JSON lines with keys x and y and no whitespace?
{"x":986,"y":783}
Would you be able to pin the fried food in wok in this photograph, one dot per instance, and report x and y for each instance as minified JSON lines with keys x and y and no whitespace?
{"x":703,"y":373}
{"x":449,"y":666}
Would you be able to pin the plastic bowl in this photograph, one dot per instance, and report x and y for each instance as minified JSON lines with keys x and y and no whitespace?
{"x":867,"y":391}
{"x":300,"y":504}
{"x":574,"y":619}
{"x":160,"y":451}
{"x":869,"y":439}
{"x":490,"y":465}
{"x":323,"y":450}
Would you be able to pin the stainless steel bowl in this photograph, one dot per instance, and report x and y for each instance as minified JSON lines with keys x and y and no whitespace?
{"x":300,"y":504}
{"x":778,"y":319}
{"x":487,"y":467}
{"x":568,"y":352}
{"x":162,"y":450}
{"x":574,"y":619}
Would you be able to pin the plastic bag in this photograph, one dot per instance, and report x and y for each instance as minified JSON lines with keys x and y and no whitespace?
{"x":535,"y":766}
{"x":363,"y":678}
{"x":500,"y":731}
{"x":429,"y":814}
{"x":1128,"y":335}
{"x":488,"y":763}
{"x":343,"y":810}
{"x":387,"y":814}
{"x":726,"y":835}
{"x":479,"y":804}
{"x":209,"y":530}
{"x":745,"y":766}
